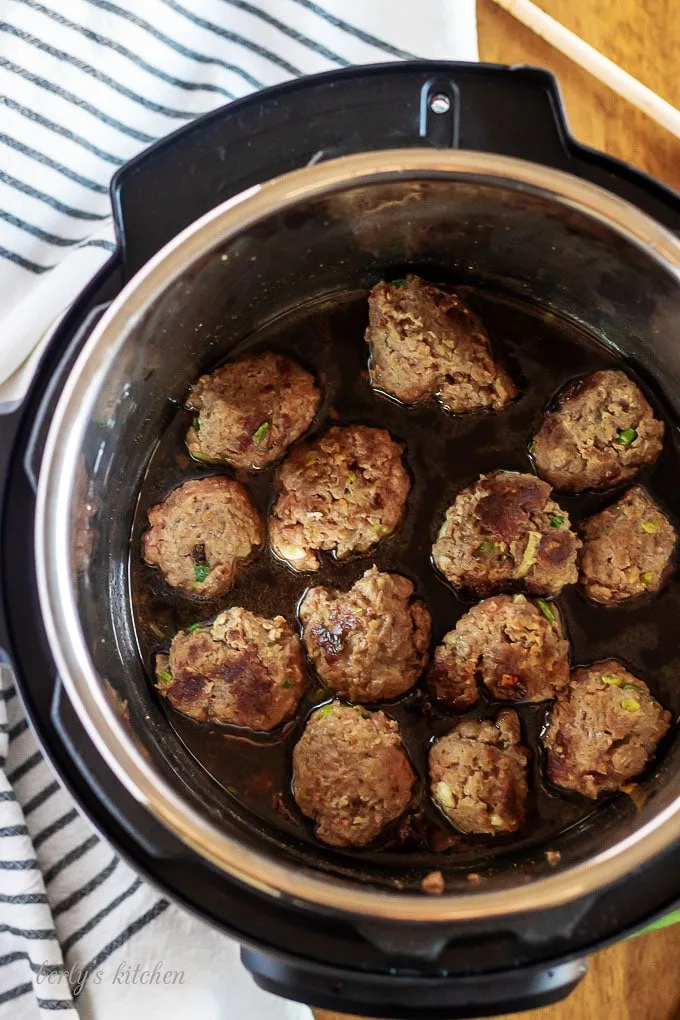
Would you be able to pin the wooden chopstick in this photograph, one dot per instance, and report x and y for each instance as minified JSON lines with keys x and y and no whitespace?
{"x":595,"y":63}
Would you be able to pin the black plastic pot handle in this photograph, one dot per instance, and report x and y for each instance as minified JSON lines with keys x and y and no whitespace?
{"x":489,"y":108}
{"x":9,"y":427}
{"x":435,"y":104}
{"x":414,"y":997}
{"x":135,"y":819}
{"x":41,"y":422}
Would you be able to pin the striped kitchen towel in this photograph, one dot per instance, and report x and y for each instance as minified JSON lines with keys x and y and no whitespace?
{"x":80,"y":932}
{"x":87,"y":84}
{"x":84,"y":86}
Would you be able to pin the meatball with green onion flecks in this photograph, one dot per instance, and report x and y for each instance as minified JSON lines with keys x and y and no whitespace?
{"x":505,"y":534}
{"x":242,"y":669}
{"x":201,"y":533}
{"x":369,"y":643}
{"x":351,"y":774}
{"x":627,"y":548}
{"x":478,"y":775}
{"x":426,"y":342}
{"x":514,"y":645}
{"x":248,"y":412}
{"x":342,"y":492}
{"x":602,"y":730}
{"x":601,"y":433}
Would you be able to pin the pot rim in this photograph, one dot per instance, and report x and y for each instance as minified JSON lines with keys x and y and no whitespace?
{"x":52,"y":547}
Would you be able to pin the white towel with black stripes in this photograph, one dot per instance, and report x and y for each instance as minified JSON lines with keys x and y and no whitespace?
{"x":84,"y":86}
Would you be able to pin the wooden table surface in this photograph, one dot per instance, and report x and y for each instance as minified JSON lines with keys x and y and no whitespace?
{"x":642,"y":36}
{"x":638,"y":979}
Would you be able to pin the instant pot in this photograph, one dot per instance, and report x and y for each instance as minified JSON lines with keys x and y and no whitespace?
{"x":297,"y":192}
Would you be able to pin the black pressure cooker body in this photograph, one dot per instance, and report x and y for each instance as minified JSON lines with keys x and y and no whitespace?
{"x":346,"y":963}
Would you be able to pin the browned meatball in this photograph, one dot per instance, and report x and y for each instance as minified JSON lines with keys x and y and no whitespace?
{"x":602,"y":432}
{"x":371,"y":642}
{"x":342,"y":492}
{"x":505,"y":533}
{"x":351,"y":774}
{"x":249,"y":411}
{"x":603,"y":729}
{"x":478,"y":775}
{"x":514,"y":645}
{"x":201,"y":533}
{"x":243,"y":669}
{"x":626,"y":549}
{"x":427,"y":342}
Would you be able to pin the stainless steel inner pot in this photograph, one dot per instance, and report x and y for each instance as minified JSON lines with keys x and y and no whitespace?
{"x":529,"y":231}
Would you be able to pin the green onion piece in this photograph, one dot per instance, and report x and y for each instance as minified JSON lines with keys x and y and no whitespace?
{"x":651,"y":527}
{"x":285,"y":685}
{"x":557,"y":521}
{"x":363,"y":712}
{"x":351,"y":478}
{"x":260,"y":433}
{"x":547,"y":610}
{"x":196,"y":425}
{"x":631,"y":687}
{"x":444,"y":796}
{"x":325,"y":710}
{"x":532,"y":447}
{"x":612,"y":679}
{"x":530,"y":553}
{"x":486,"y":546}
{"x":201,"y":571}
{"x":199,"y":456}
{"x":626,"y":436}
{"x":193,"y":627}
{"x":164,"y":677}
{"x":630,"y":705}
{"x":647,"y":578}
{"x":399,"y":283}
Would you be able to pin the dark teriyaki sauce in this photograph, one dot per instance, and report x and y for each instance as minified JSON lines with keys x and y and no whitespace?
{"x":443,"y":454}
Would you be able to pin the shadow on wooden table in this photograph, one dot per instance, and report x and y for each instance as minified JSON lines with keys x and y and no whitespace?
{"x":635,"y":980}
